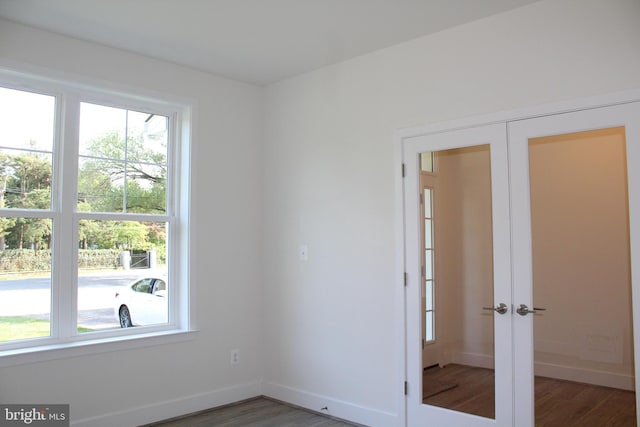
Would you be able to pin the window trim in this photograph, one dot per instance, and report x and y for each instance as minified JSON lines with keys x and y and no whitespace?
{"x":64,"y":340}
{"x":55,"y":351}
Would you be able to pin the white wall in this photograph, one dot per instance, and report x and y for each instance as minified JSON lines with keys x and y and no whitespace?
{"x":331,"y":323}
{"x":226,"y":262}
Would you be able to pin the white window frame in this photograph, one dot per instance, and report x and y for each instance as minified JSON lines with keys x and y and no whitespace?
{"x":64,"y":340}
{"x":431,"y":261}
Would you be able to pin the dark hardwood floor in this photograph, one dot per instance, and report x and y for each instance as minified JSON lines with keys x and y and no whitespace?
{"x":566,"y":403}
{"x":259,"y":412}
{"x":558,"y":403}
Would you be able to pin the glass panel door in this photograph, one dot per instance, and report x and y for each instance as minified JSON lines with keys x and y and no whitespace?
{"x":457,"y":294}
{"x":583,"y":343}
{"x":573,"y":213}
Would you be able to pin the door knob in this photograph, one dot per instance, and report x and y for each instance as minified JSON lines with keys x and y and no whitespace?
{"x":523,"y":310}
{"x":500,"y":309}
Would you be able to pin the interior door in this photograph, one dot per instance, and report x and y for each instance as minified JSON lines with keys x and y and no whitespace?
{"x":576,"y":266}
{"x":465,"y":231}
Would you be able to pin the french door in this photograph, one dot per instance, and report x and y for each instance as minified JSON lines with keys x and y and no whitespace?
{"x":471,"y":271}
{"x":534,"y":234}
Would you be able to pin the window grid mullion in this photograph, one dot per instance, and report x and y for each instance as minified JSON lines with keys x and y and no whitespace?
{"x":126,"y":162}
{"x":65,"y":258}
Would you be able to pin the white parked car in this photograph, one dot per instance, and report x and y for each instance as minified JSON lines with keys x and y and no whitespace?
{"x":144,"y":302}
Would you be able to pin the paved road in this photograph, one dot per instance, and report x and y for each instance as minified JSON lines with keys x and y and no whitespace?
{"x":96,"y":293}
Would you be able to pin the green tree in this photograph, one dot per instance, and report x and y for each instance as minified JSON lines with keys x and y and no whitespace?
{"x":109,"y":163}
{"x":87,"y":229}
{"x":131,"y":234}
{"x":5,"y":223}
{"x":30,"y":232}
{"x":30,"y":172}
{"x":28,"y":186}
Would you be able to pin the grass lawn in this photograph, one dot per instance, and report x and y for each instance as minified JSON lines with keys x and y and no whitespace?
{"x":22,"y":327}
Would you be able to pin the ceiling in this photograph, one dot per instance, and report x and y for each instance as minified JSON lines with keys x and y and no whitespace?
{"x":255,"y":41}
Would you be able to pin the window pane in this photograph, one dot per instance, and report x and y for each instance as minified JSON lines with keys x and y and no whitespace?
{"x":429,"y":335}
{"x":27,"y":120}
{"x":122,"y":266}
{"x":123,"y":161}
{"x":428,"y":230}
{"x":427,"y":203}
{"x":146,"y":188}
{"x":25,"y":278}
{"x":98,"y":189}
{"x":426,"y":162}
{"x":428,"y":271}
{"x":429,"y":295}
{"x":25,"y":179}
{"x":147,"y":135}
{"x":101,"y":187}
{"x":26,"y":143}
{"x":102,"y":131}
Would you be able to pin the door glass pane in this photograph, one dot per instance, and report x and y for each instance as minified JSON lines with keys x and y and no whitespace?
{"x":583,"y":358}
{"x":428,"y":270}
{"x":459,"y":374}
{"x":429,"y":325}
{"x":428,"y":241}
{"x":429,"y":295}
{"x":426,"y":162}
{"x":427,"y":202}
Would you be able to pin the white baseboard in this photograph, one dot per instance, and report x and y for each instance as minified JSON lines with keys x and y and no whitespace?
{"x":347,"y":411}
{"x":172,"y":408}
{"x":561,"y":372}
{"x":589,"y":376}
{"x":473,"y":359}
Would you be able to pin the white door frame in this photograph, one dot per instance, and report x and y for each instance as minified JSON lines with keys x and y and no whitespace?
{"x":401,"y":135}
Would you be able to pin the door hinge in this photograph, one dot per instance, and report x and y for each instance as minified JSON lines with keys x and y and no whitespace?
{"x":406,"y":388}
{"x":403,"y":170}
{"x":406,"y":279}
{"x":423,"y":343}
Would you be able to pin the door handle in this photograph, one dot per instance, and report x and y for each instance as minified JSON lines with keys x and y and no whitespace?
{"x":523,"y":310}
{"x":500,"y":309}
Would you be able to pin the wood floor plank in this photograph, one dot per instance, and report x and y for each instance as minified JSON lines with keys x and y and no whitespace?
{"x":259,"y":412}
{"x":473,"y":394}
{"x":557,"y":402}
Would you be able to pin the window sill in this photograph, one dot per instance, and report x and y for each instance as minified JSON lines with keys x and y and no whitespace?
{"x":45,"y":353}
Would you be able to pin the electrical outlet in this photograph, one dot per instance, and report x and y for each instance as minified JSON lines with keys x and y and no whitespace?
{"x":235,"y":356}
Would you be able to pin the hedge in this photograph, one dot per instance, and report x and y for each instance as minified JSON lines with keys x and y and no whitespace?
{"x":29,"y":260}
